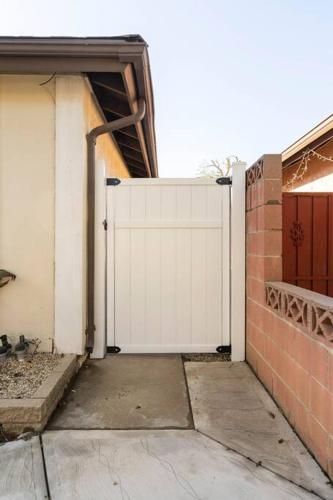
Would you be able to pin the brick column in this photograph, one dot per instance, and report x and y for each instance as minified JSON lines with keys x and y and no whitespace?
{"x":263,"y":253}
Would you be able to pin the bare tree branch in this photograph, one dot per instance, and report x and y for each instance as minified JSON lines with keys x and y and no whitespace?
{"x":216,"y":168}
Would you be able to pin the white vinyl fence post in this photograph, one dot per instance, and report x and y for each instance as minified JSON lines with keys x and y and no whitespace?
{"x":100,"y":262}
{"x":238,"y":262}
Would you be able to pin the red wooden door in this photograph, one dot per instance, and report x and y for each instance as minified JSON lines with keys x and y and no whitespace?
{"x":308,"y":241}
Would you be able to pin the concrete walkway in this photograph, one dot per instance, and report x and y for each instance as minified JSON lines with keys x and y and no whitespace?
{"x":231,"y":406}
{"x":22,"y":472}
{"x":127,"y":392}
{"x":155,"y":465}
{"x":240,"y":446}
{"x":137,"y":465}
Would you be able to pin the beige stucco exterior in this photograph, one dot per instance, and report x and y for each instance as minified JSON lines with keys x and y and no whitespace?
{"x":28,"y":145}
{"x":27,"y":205}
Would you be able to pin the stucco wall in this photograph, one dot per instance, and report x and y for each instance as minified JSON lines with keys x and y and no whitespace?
{"x":27,"y":205}
{"x":32,"y":163}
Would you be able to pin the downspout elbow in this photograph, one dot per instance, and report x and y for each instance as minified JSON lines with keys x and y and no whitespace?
{"x":126,"y":121}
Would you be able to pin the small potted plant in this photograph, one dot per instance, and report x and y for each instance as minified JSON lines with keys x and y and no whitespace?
{"x":6,"y":277}
{"x":5,"y":348}
{"x":21,"y":348}
{"x":3,"y":354}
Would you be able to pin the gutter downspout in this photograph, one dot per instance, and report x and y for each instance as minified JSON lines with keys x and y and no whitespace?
{"x":91,"y":142}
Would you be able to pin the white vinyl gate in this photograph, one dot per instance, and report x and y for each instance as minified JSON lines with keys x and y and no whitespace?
{"x":168,"y":265}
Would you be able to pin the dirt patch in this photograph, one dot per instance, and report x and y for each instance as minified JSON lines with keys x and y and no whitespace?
{"x":21,"y":379}
{"x":206,"y":357}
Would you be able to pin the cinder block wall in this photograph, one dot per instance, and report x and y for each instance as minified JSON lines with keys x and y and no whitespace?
{"x":295,"y":367}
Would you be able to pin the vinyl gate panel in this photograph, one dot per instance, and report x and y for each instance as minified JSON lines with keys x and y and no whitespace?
{"x":168,"y":269}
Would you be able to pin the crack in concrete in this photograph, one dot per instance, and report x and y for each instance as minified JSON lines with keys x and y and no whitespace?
{"x":41,"y":445}
{"x":169,"y":468}
{"x":111,"y":471}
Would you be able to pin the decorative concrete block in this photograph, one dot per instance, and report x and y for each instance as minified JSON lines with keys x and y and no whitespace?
{"x":19,"y":415}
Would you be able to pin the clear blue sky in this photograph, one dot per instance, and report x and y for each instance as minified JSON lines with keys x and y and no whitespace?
{"x":230,"y":77}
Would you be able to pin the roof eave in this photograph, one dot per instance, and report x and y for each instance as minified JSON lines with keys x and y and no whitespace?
{"x":313,"y":139}
{"x":14,"y":53}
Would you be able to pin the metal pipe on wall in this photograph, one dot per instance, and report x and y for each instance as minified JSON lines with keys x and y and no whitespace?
{"x":91,"y":142}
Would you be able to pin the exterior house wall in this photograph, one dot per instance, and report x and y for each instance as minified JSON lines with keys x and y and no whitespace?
{"x":27,"y":126}
{"x":288,"y":336}
{"x":319,"y":175}
{"x":43,"y":205}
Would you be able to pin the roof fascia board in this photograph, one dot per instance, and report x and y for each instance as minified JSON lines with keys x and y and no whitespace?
{"x":143,"y":80}
{"x":130,"y":85}
{"x":61,"y":65}
{"x":71,"y":47}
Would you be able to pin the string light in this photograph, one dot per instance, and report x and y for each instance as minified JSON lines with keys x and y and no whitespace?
{"x":304,"y":166}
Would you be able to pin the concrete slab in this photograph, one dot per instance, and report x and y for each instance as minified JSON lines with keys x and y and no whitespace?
{"x":127,"y":392}
{"x":155,"y":465}
{"x":22,"y":472}
{"x":230,"y":405}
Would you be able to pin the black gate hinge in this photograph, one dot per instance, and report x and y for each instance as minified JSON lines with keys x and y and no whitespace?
{"x":224,"y":349}
{"x":224,"y":181}
{"x":113,"y":349}
{"x":105,"y":224}
{"x":112,"y":181}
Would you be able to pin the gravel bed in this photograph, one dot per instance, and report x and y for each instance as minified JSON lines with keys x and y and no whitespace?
{"x":207,"y":357}
{"x":21,"y":379}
